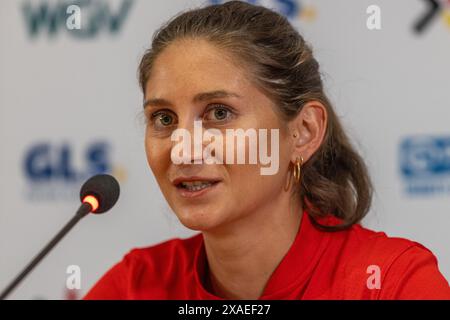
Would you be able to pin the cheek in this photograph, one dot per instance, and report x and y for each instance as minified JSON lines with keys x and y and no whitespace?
{"x":158,"y":155}
{"x":246,"y":180}
{"x":249,"y":189}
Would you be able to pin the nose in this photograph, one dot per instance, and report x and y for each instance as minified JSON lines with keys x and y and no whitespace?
{"x":187,"y":147}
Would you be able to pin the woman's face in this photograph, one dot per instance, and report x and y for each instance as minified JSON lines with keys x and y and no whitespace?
{"x":181,"y":73}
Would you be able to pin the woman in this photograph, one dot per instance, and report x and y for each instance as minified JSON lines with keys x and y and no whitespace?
{"x":292,"y":234}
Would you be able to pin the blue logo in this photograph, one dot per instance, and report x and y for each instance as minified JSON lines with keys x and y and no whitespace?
{"x":96,"y":16}
{"x":56,"y":171}
{"x":425,"y":164}
{"x":45,"y":162}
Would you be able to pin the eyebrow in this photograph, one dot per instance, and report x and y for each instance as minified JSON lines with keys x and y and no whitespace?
{"x":200,"y":97}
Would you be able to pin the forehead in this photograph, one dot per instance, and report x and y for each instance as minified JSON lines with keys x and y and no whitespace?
{"x":191,"y":66}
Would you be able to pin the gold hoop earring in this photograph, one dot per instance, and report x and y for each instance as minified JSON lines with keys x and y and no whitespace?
{"x":297,"y":169}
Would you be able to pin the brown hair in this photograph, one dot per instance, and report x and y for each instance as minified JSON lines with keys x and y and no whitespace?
{"x":335,"y":179}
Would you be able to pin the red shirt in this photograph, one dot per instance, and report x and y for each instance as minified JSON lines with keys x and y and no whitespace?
{"x":318,"y":265}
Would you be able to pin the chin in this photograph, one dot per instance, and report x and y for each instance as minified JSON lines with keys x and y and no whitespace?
{"x":198,"y":219}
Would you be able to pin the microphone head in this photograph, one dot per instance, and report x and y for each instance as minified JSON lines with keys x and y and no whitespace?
{"x":104,"y":188}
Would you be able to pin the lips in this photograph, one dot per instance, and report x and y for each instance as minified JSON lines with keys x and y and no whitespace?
{"x":192,"y":186}
{"x":193,"y":180}
{"x":195,"y":185}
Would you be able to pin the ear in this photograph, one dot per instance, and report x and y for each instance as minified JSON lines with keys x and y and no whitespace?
{"x":308,"y":130}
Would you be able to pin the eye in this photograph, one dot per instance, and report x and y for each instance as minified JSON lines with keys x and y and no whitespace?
{"x":218,"y":112}
{"x":162,"y":118}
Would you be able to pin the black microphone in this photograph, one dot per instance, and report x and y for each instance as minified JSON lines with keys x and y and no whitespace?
{"x":98,"y":195}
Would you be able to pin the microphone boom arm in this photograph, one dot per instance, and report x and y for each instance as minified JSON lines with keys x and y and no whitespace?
{"x":83,"y":210}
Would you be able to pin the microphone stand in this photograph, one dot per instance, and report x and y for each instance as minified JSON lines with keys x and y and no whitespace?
{"x":83,"y":210}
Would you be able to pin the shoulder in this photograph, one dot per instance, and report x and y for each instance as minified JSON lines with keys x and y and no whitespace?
{"x":376,"y":246}
{"x":391,"y":267}
{"x":166,"y":255}
{"x":166,"y":259}
{"x":359,"y":245}
{"x":148,"y":267}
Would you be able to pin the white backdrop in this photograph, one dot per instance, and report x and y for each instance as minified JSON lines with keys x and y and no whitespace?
{"x":70,"y":105}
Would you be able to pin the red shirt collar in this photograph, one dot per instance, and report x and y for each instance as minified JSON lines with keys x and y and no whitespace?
{"x":295,"y":268}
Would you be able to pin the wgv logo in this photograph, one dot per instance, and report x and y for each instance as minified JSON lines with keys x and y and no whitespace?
{"x":425,"y":164}
{"x":56,"y":171}
{"x":289,"y":8}
{"x":96,"y":16}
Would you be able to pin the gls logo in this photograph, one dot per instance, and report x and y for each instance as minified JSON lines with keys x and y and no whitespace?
{"x":45,"y":162}
{"x":425,"y":164}
{"x":97,"y":16}
{"x":288,"y":8}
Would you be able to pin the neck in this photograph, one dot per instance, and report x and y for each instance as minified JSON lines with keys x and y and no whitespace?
{"x":243,"y":254}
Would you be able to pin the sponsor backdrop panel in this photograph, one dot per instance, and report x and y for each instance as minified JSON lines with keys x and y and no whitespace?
{"x":70,"y":107}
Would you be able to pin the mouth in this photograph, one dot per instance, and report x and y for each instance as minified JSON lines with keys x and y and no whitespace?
{"x":193,"y":186}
